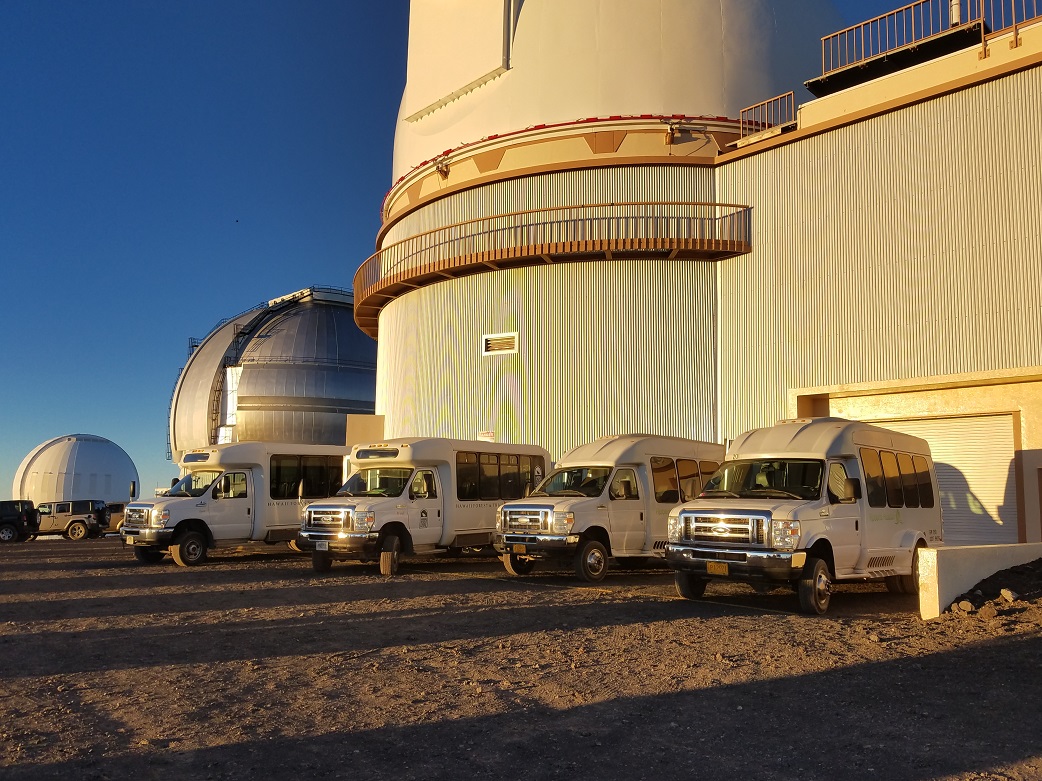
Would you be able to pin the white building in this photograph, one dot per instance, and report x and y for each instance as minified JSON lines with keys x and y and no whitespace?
{"x":587,"y":234}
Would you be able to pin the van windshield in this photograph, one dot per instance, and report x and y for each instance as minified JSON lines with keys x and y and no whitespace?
{"x":193,"y":484}
{"x":774,"y":479}
{"x":380,"y":481}
{"x":574,"y":481}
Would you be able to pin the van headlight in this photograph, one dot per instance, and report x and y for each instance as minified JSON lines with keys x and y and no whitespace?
{"x":674,"y":528}
{"x":563,"y":522}
{"x":160,"y":517}
{"x":364,"y":521}
{"x":499,"y":517}
{"x":785,"y":535}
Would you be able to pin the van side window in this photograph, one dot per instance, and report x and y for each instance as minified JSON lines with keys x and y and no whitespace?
{"x":894,"y":494}
{"x":532,"y":472}
{"x":322,"y":475}
{"x":489,"y":476}
{"x":624,"y":485}
{"x":509,"y":477}
{"x":875,"y":486}
{"x":285,"y":477}
{"x":922,"y":472}
{"x":908,"y":479}
{"x":467,"y":475}
{"x":690,"y":482}
{"x":234,"y":485}
{"x":707,"y":468}
{"x":422,"y":486}
{"x":664,"y":477}
{"x":837,"y":482}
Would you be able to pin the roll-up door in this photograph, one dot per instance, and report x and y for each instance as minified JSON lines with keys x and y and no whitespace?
{"x":975,"y":475}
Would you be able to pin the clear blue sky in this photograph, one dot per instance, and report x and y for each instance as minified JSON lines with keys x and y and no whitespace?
{"x":165,"y":165}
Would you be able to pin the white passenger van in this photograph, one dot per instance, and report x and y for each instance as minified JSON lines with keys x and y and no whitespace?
{"x":231,"y":495}
{"x":418,"y":496}
{"x":608,"y":498}
{"x":808,"y":502}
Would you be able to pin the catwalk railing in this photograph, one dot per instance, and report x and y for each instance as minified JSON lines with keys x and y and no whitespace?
{"x":706,"y":231}
{"x":918,"y":22}
{"x":773,"y":112}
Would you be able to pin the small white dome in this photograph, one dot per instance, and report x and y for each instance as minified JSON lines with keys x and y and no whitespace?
{"x":75,"y":466}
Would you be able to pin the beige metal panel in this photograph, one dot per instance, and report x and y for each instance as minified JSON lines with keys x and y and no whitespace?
{"x":603,"y":348}
{"x":903,"y":246}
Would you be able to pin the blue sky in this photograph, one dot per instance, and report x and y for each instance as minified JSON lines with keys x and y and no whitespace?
{"x":164,"y":166}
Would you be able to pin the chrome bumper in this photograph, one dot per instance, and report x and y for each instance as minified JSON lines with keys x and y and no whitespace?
{"x":738,"y":563}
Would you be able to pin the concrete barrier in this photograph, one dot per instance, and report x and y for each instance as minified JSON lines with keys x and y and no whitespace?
{"x":947,"y":572}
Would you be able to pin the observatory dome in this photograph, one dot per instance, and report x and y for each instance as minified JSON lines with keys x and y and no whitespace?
{"x":75,"y":466}
{"x":551,"y":62}
{"x":290,"y":370}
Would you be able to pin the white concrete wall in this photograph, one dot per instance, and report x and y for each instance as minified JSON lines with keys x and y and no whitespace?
{"x":945,"y":573}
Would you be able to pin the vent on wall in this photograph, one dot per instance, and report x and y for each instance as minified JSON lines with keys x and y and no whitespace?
{"x":497,"y":344}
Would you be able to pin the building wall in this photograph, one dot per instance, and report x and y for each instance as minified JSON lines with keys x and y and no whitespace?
{"x":903,"y":246}
{"x":603,"y":348}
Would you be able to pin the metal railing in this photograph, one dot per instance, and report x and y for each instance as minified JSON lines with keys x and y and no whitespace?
{"x":772,"y":112}
{"x":918,"y":22}
{"x":517,"y":235}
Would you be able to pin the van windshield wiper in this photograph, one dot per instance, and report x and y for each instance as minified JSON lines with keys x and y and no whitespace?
{"x":720,"y":492}
{"x":773,"y":492}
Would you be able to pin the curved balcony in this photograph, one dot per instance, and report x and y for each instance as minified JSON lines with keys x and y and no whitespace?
{"x":688,"y":231}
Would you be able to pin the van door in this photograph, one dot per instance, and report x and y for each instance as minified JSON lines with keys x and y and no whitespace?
{"x":626,"y":511}
{"x":228,"y":507}
{"x":843,"y":521}
{"x":424,"y":508}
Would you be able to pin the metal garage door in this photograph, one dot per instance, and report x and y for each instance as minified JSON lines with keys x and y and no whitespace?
{"x":975,"y":475}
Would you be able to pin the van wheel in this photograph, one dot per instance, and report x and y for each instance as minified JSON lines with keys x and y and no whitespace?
{"x":390,"y":553}
{"x":518,"y":566}
{"x":77,"y":531}
{"x":910,"y":583}
{"x":690,"y":586}
{"x":148,"y":555}
{"x":591,"y":561}
{"x":189,"y":550}
{"x":8,"y":533}
{"x":321,"y":561}
{"x":815,"y":586}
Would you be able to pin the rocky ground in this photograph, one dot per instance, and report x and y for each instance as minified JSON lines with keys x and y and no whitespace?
{"x":252,"y":667}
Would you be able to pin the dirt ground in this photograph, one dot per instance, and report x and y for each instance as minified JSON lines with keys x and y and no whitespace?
{"x":252,"y":667}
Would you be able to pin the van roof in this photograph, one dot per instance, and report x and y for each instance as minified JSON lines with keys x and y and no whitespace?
{"x":434,"y":449}
{"x":634,"y":448}
{"x":821,"y":438}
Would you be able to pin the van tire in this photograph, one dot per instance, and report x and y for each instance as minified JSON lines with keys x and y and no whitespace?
{"x":815,"y":587}
{"x":390,"y":555}
{"x":77,"y":531}
{"x":591,"y":561}
{"x":910,"y":583}
{"x":321,"y":561}
{"x":148,"y":555}
{"x":8,"y":533}
{"x":518,"y":566}
{"x":189,"y":550}
{"x":689,"y":585}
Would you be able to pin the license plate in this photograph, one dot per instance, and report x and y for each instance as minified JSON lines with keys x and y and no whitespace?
{"x":519,"y":548}
{"x":321,"y":545}
{"x":716,"y":567}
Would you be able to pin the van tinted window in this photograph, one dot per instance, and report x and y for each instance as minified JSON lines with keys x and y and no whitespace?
{"x":909,"y":481}
{"x":894,"y":492}
{"x":875,"y":486}
{"x":664,"y":476}
{"x":922,"y":472}
{"x":690,"y":482}
{"x":467,"y":477}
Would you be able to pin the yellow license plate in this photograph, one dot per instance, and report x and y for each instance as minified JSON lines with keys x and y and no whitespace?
{"x":716,"y":567}
{"x":519,"y":549}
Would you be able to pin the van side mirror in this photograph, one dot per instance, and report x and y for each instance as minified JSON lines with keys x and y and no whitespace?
{"x":851,"y":491}
{"x":133,"y":489}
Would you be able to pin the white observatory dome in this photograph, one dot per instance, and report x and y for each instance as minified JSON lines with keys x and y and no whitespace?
{"x":75,"y":466}
{"x":473,"y":73}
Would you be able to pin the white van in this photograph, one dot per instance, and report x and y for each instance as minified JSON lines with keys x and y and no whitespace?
{"x":808,"y":502}
{"x":609,"y":498}
{"x":231,"y":495}
{"x":418,"y":496}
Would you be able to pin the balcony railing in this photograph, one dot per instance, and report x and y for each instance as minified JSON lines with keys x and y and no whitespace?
{"x":699,"y":231}
{"x":918,"y":22}
{"x":770,"y":113}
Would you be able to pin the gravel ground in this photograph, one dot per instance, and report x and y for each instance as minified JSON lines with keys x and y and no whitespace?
{"x":253,"y":667}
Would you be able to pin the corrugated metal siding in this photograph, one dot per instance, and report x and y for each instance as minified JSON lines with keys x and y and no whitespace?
{"x":619,"y":184}
{"x":903,"y":246}
{"x":603,"y":348}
